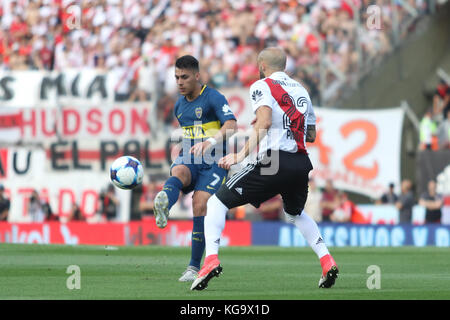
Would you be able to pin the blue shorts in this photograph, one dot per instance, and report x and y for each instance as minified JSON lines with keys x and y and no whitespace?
{"x":204,"y":177}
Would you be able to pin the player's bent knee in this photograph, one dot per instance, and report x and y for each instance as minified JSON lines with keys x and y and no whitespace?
{"x":183,"y":173}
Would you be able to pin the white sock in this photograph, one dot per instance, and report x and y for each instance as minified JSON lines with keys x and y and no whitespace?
{"x":310,"y":231}
{"x":214,"y":224}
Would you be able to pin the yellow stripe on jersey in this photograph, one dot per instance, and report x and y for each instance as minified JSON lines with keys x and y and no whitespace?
{"x":203,"y":89}
{"x":200,"y":131}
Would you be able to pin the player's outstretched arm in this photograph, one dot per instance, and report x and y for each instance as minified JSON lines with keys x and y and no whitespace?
{"x":262,"y":123}
{"x":228,"y":128}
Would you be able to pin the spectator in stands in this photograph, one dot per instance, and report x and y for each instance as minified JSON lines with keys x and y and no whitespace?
{"x":38,"y":209}
{"x":432,"y":201}
{"x":441,"y":100}
{"x":312,"y":205}
{"x":330,"y":200}
{"x":4,"y":204}
{"x":310,"y":83}
{"x":343,"y":212}
{"x":272,"y":209}
{"x":428,"y":129}
{"x":109,"y":203}
{"x":443,"y":132}
{"x":389,"y":197}
{"x":49,"y":214}
{"x":249,"y":71}
{"x":165,"y":107}
{"x":123,"y":73}
{"x":75,"y":213}
{"x":135,"y":201}
{"x":146,"y":201}
{"x":219,"y":76}
{"x":405,"y":202}
{"x":146,"y":84}
{"x":348,"y":212}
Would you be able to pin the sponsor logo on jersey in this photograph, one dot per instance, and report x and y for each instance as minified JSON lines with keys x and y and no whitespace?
{"x":257,"y":95}
{"x":201,"y":130}
{"x":226,"y":110}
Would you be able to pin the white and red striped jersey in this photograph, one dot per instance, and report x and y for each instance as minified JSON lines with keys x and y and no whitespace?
{"x":291,"y":108}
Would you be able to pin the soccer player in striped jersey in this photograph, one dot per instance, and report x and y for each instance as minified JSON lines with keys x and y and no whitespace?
{"x":284,"y":122}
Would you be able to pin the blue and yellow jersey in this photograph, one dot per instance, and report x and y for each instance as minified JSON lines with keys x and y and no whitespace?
{"x":201,"y":118}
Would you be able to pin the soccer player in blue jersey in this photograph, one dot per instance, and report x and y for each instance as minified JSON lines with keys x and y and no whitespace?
{"x":206,"y":120}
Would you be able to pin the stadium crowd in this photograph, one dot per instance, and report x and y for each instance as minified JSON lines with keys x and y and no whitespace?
{"x":435,"y":124}
{"x":138,"y":40}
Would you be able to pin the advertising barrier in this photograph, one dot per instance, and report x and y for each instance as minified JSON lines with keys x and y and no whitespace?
{"x":342,"y":235}
{"x":177,"y":233}
{"x":236,"y":233}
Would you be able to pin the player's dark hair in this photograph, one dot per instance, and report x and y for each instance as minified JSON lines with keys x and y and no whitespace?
{"x":187,"y":62}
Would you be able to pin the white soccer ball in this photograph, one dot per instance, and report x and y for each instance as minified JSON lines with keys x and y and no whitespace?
{"x":126,"y":172}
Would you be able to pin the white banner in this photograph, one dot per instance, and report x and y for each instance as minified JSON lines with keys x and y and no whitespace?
{"x":358,"y":150}
{"x":10,"y":119}
{"x":42,"y":107}
{"x":21,"y":89}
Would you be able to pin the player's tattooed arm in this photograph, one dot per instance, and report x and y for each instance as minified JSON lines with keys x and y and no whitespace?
{"x":261,"y":125}
{"x":310,"y":133}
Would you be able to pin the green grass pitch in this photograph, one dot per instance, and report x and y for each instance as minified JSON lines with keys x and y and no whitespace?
{"x":249,"y":273}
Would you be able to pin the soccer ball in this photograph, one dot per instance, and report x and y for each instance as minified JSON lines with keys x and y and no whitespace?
{"x":126,"y":172}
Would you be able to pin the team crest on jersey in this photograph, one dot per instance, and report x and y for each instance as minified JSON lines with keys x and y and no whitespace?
{"x":226,"y":109}
{"x":198,"y":112}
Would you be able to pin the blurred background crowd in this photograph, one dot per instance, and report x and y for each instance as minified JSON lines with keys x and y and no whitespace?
{"x":140,"y":39}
